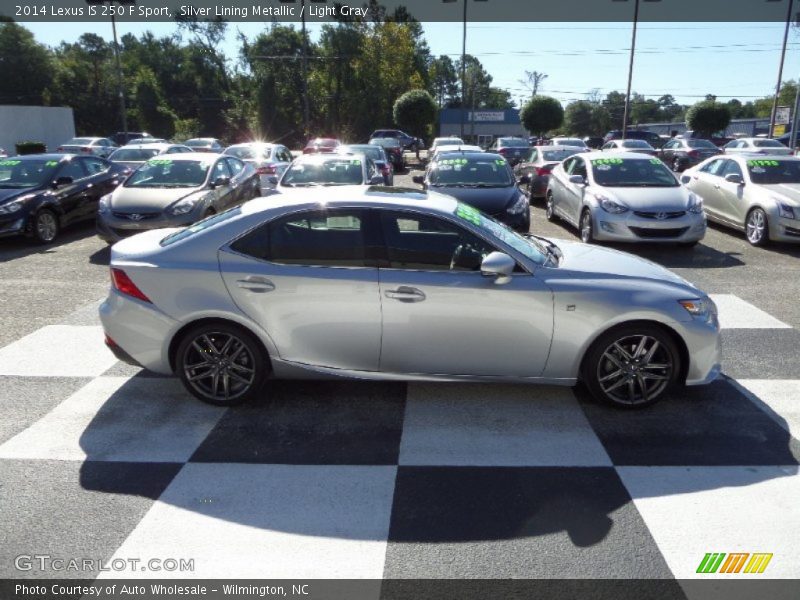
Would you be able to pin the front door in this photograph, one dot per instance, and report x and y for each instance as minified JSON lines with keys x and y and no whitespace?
{"x":441,"y":316}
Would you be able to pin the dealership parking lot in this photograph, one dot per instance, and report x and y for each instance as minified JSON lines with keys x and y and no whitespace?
{"x":365,"y":479}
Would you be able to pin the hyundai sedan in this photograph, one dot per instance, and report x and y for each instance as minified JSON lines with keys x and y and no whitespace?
{"x":627,"y":197}
{"x":385,"y":283}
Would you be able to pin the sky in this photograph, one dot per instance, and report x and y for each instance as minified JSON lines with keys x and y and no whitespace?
{"x":687,"y":60}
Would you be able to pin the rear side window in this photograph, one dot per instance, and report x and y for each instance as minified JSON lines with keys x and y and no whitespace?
{"x":319,"y":238}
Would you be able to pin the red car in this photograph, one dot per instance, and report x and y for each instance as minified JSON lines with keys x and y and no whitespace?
{"x":321,"y":145}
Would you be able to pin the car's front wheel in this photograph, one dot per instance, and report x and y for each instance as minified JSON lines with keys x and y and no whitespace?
{"x":221,"y":364}
{"x":587,"y":227}
{"x":45,"y":226}
{"x":550,"y":210}
{"x":632,"y":366}
{"x":757,"y":227}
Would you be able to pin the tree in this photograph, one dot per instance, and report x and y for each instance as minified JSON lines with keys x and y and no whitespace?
{"x":533,"y":80}
{"x":444,"y":81}
{"x":541,"y":114}
{"x":614,"y":104}
{"x":26,"y":66}
{"x":150,"y":109}
{"x":708,"y":117}
{"x":415,"y":112}
{"x":578,"y":118}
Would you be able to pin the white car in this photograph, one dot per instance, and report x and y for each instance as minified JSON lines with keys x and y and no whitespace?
{"x":757,"y":146}
{"x":134,"y":156}
{"x":444,"y":141}
{"x":626,"y":197}
{"x":98,"y":146}
{"x":568,"y":141}
{"x":638,"y":146}
{"x":270,"y":161}
{"x":446,"y":148}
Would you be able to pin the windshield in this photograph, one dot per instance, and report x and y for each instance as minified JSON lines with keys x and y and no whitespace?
{"x":471,"y":172}
{"x":767,"y":172}
{"x":570,"y":142}
{"x":700,"y":144}
{"x":333,"y":171}
{"x":162,"y":172}
{"x":246,"y":152}
{"x":385,"y":142}
{"x":529,"y":247}
{"x":768,"y":144}
{"x":635,"y":144}
{"x":197,"y":143}
{"x":558,"y":155}
{"x":16,"y":173}
{"x":368,"y":151}
{"x":133,"y":154}
{"x":632,"y":172}
{"x":449,"y":142}
{"x":512,"y":143}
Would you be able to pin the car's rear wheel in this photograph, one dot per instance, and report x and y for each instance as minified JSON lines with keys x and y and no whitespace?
{"x":45,"y":226}
{"x":757,"y":227}
{"x":587,"y":227}
{"x":632,"y":366}
{"x":676,"y":165}
{"x":221,"y":364}
{"x":550,"y":207}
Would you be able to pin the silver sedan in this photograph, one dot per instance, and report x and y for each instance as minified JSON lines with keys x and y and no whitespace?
{"x":381,"y":283}
{"x":624,"y":197}
{"x":759,"y":196}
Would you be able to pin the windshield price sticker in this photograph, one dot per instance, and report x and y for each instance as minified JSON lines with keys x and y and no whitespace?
{"x":51,"y":163}
{"x":500,"y":161}
{"x":607,"y":161}
{"x":655,"y":161}
{"x":355,"y":162}
{"x":10,"y":163}
{"x":159,"y":161}
{"x":453,"y":161}
{"x":763,"y":163}
{"x":468,"y":214}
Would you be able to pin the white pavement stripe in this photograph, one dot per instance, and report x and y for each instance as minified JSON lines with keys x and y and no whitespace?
{"x":58,"y":351}
{"x":779,"y":398}
{"x":497,"y":425}
{"x":276,"y":521}
{"x":694,"y":510}
{"x":119,"y":419}
{"x":735,"y":313}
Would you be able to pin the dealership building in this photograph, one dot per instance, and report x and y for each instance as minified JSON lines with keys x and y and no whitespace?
{"x":481,"y":127}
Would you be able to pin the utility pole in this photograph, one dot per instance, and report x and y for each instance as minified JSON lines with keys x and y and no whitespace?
{"x":120,"y":81}
{"x":780,"y":70}
{"x":630,"y":72}
{"x":464,"y":72}
{"x":306,"y":117}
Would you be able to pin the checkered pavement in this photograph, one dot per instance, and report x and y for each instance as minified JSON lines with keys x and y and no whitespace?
{"x":369,"y":480}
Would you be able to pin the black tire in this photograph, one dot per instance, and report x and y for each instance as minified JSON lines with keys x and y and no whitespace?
{"x":616,"y":377}
{"x":550,"y":213}
{"x":586,"y":227}
{"x":757,"y":237}
{"x":234,"y":364}
{"x":688,"y":245}
{"x":45,"y":226}
{"x":676,"y":165}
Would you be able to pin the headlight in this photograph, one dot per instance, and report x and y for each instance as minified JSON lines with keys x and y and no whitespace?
{"x":104,"y":205}
{"x":700,"y":307}
{"x":695,"y":204}
{"x":183,"y":207}
{"x":520,"y":206}
{"x":11,"y":207}
{"x":608,"y":205}
{"x":786,"y":211}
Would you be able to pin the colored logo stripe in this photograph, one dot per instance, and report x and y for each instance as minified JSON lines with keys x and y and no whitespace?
{"x":734,"y":562}
{"x":711,"y":562}
{"x":758,"y":563}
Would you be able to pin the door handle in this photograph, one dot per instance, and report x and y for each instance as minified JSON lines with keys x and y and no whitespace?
{"x":256,"y":284}
{"x":405,"y":294}
{"x":716,"y":186}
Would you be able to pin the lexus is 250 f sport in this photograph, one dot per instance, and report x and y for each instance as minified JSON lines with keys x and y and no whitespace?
{"x":386,"y":283}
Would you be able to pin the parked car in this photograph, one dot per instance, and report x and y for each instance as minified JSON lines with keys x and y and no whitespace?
{"x":368,"y":284}
{"x":533,"y":171}
{"x":40,"y":194}
{"x":135,"y":155}
{"x":408,"y":142}
{"x":3,"y":153}
{"x":638,"y":146}
{"x":568,"y":141}
{"x":682,"y":153}
{"x":757,"y":195}
{"x":205,"y":144}
{"x":269,"y":160}
{"x":330,"y":170}
{"x":376,"y":154}
{"x":175,"y":191}
{"x":717,"y":139}
{"x":321,"y":145}
{"x":121,"y":138}
{"x":446,"y":149}
{"x":393,"y":149}
{"x":483,"y":180}
{"x":624,"y":198}
{"x":444,"y":141}
{"x":650,"y":137}
{"x":98,"y":146}
{"x":594,"y":142}
{"x":756,"y":146}
{"x":511,"y":148}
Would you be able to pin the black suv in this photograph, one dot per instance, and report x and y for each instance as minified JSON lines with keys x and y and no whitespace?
{"x":408,"y":142}
{"x":650,"y":137}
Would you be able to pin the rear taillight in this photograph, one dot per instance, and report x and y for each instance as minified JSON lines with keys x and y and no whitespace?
{"x":693,"y":153}
{"x":124,"y":285}
{"x":503,"y":151}
{"x":60,"y":149}
{"x":86,"y":149}
{"x":266,"y":170}
{"x":542,"y":171}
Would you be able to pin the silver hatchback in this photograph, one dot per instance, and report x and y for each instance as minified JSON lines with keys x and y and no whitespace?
{"x":385,"y":283}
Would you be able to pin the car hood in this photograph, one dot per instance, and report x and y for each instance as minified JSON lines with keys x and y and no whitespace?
{"x":10,"y":194}
{"x":488,"y":200}
{"x":137,"y":199}
{"x":588,"y":258}
{"x":652,"y":199}
{"x":788,"y":192}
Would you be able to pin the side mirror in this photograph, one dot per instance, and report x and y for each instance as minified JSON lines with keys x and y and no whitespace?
{"x":62,"y":181}
{"x":498,"y":265}
{"x":418,"y":179}
{"x":734,"y":178}
{"x":524,"y":180}
{"x":221,"y":181}
{"x":577,"y":179}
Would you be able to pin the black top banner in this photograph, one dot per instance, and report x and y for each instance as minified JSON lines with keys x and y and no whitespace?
{"x":534,"y":11}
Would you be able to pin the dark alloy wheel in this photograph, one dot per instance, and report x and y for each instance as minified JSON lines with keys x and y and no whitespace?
{"x":221,"y":364}
{"x":632,"y":366}
{"x":45,"y":226}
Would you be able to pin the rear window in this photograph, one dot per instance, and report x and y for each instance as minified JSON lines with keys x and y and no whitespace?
{"x":201,"y":226}
{"x":559,"y":155}
{"x":767,"y":144}
{"x":79,"y":142}
{"x":513,"y":142}
{"x":635,"y":144}
{"x":243,"y":152}
{"x":700,"y":144}
{"x":133,"y":154}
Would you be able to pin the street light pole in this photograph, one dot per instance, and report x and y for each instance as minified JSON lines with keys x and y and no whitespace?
{"x":120,"y":81}
{"x":464,"y":71}
{"x":305,"y":70}
{"x":630,"y":72}
{"x":780,"y":69}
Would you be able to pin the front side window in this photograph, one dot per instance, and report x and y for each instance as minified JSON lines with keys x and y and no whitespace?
{"x":713,"y":167}
{"x":235,"y":165}
{"x":579,"y":168}
{"x":94,"y":166}
{"x":72,"y":169}
{"x":731,"y":168}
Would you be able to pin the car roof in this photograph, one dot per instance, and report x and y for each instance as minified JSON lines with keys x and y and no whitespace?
{"x":550,"y":147}
{"x":742,"y":157}
{"x":600,"y":155}
{"x":203,"y":139}
{"x":148,"y":146}
{"x":193,"y":156}
{"x":252,"y":144}
{"x":322,"y":157}
{"x":476,"y":155}
{"x":46,"y":156}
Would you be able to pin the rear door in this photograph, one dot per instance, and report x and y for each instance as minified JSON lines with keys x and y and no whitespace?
{"x":308,"y":280}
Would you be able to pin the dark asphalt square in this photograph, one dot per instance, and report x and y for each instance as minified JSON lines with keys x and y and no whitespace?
{"x":713,"y":425}
{"x":761,"y":353}
{"x":531,"y":522}
{"x":70,"y":509}
{"x":312,"y":423}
